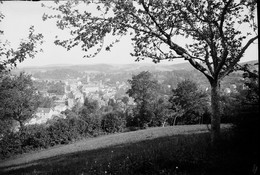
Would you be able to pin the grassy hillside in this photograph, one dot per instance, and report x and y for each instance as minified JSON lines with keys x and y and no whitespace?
{"x":176,"y":149}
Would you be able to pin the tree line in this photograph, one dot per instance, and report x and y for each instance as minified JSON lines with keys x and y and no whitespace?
{"x":218,"y":43}
{"x":217,"y":46}
{"x":186,"y":104}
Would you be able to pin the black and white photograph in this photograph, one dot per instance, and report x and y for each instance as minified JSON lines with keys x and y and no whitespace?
{"x":129,"y":87}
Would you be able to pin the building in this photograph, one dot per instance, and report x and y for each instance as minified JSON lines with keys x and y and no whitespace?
{"x":59,"y":108}
{"x":90,"y":89}
{"x":44,"y":112}
{"x":41,"y":116}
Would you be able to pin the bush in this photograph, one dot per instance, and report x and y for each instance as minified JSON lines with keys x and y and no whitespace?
{"x":10,"y":145}
{"x":30,"y":138}
{"x":64,"y":131}
{"x":59,"y":132}
{"x":34,"y":137}
{"x":113,"y":122}
{"x":93,"y":122}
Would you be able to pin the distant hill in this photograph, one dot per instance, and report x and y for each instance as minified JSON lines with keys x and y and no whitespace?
{"x":253,"y":63}
{"x":109,"y":68}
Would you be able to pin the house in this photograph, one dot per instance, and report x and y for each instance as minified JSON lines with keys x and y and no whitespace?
{"x":90,"y":89}
{"x":59,"y":102}
{"x":59,"y":108}
{"x":44,"y":112}
{"x":41,"y":116}
{"x":71,"y":102}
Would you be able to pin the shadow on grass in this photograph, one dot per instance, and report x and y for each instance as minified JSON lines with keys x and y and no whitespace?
{"x":179,"y":154}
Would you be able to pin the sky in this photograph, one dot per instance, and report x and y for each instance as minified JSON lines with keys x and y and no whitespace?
{"x":19,"y":16}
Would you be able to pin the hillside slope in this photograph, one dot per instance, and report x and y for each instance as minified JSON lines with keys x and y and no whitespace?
{"x":106,"y":141}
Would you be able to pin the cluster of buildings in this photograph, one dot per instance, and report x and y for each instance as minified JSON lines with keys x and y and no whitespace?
{"x":75,"y":94}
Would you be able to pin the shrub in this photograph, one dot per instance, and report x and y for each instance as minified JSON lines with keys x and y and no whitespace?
{"x":93,"y":122}
{"x":33,"y":137}
{"x":30,"y":138}
{"x":113,"y":122}
{"x":64,"y":131}
{"x":10,"y":145}
{"x":131,"y":118}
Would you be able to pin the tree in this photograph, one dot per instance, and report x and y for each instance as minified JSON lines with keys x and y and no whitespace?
{"x":89,"y":113}
{"x":56,"y":88}
{"x":111,"y":102}
{"x":9,"y":57}
{"x":18,"y":98}
{"x":189,"y":101}
{"x":69,"y":114}
{"x":113,"y":122}
{"x":162,"y":112}
{"x":251,"y":77}
{"x":125,"y":101}
{"x":90,"y":106}
{"x":143,"y":91}
{"x":218,"y":41}
{"x":45,"y":102}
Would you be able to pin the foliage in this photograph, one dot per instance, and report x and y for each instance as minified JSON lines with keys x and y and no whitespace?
{"x":46,"y":102}
{"x":10,"y":145}
{"x":18,"y":98}
{"x":9,"y":57}
{"x":90,"y":114}
{"x":217,"y":45}
{"x":125,"y":100}
{"x":30,"y":138}
{"x":94,"y":123}
{"x":64,"y":131}
{"x":252,"y":86}
{"x":131,"y":120}
{"x":113,"y":104}
{"x":89,"y":106}
{"x":189,"y":102}
{"x":5,"y":127}
{"x":144,"y":92}
{"x":56,"y":88}
{"x":113,"y":122}
{"x":246,"y":123}
{"x":162,"y":112}
{"x":35,"y":137}
{"x":151,"y":156}
{"x":243,"y":100}
{"x":69,"y":113}
{"x":155,"y":23}
{"x":230,"y":105}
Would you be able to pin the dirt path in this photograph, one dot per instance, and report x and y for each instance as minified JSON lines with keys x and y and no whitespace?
{"x":106,"y":141}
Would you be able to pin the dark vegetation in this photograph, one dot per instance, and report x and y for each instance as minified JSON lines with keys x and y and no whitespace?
{"x":215,"y":51}
{"x":179,"y":154}
{"x":234,"y":153}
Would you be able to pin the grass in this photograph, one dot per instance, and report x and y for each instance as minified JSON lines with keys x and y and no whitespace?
{"x":169,"y":150}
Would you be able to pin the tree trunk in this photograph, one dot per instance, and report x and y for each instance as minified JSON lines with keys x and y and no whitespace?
{"x":215,"y":117}
{"x":21,"y":125}
{"x":163,"y":124}
{"x":174,"y":122}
